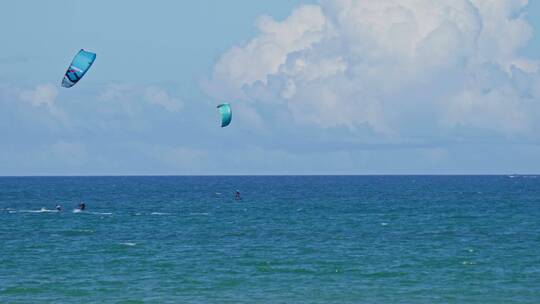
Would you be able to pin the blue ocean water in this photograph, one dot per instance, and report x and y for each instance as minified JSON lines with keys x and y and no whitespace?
{"x":297,"y":239}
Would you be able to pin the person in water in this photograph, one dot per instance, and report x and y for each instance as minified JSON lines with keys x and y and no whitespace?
{"x":59,"y":208}
{"x":237,"y":195}
{"x":82,"y":206}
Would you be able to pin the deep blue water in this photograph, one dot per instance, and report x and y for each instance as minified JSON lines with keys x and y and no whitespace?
{"x":320,"y":239}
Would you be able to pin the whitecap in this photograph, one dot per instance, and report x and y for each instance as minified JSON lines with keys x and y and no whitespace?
{"x":85,"y":230}
{"x":159,"y":213}
{"x":128,"y":244}
{"x":384,"y":224}
{"x":201,"y":213}
{"x":100,"y":213}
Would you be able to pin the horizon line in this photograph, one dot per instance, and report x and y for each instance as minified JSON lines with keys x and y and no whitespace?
{"x":276,"y":175}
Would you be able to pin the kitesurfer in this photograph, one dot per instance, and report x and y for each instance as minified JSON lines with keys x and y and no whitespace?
{"x":82,"y":206}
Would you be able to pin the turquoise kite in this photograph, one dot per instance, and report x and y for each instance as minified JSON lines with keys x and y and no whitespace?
{"x":78,"y":67}
{"x":226,"y":114}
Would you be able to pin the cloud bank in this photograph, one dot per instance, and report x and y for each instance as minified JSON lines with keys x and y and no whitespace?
{"x":408,"y":69}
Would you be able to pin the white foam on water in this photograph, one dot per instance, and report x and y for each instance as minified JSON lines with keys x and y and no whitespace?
{"x":85,"y":230}
{"x":201,"y":213}
{"x":77,"y":211}
{"x":159,"y":213}
{"x":384,"y":224}
{"x":128,"y":244}
{"x":42,"y":210}
{"x":100,"y":213}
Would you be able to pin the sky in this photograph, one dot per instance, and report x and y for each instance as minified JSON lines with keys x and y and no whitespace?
{"x":316,"y":87}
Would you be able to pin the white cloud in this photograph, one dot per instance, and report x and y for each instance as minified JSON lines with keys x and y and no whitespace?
{"x":265,"y":54}
{"x":157,"y":96}
{"x":44,"y":95}
{"x":404,"y":67}
{"x":128,"y":95}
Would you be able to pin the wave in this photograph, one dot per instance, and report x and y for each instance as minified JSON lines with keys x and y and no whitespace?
{"x":91,"y":212}
{"x":128,"y":244}
{"x":159,"y":213}
{"x":42,"y":210}
{"x":84,"y":230}
{"x":199,"y":213}
{"x":99,"y":213}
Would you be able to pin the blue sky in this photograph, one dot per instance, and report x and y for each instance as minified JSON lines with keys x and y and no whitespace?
{"x":329,"y":87}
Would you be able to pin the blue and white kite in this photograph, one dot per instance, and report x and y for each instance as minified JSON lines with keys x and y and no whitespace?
{"x":226,"y":114}
{"x":78,"y":67}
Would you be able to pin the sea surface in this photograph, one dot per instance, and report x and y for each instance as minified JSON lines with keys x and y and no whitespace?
{"x":297,"y":239}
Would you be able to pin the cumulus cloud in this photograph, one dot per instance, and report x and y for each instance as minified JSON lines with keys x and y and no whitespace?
{"x":404,"y":68}
{"x":43,"y":95}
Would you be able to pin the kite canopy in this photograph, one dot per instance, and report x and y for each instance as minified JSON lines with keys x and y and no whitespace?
{"x":226,"y":114}
{"x":78,"y":67}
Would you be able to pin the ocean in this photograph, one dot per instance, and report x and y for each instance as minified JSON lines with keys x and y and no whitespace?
{"x":290,"y":239}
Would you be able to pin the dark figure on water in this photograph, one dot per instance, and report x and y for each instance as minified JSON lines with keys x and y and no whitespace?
{"x":237,"y":195}
{"x":82,"y":206}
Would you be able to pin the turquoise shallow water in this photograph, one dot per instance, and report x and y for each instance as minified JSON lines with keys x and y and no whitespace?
{"x":369,"y":239}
